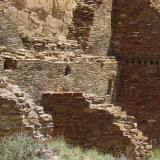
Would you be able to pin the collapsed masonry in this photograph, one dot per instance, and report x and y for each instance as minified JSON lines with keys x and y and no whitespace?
{"x":19,"y":114}
{"x":55,"y":65}
{"x":91,"y":26}
{"x":90,"y":121}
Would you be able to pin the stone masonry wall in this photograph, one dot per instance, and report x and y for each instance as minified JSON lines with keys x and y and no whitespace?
{"x":135,"y":42}
{"x":90,"y":121}
{"x":138,"y":94}
{"x":135,"y":29}
{"x":38,"y":76}
{"x":19,"y":114}
{"x":92,"y":26}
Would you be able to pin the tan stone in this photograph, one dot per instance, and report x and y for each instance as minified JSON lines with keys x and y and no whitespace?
{"x":18,"y":113}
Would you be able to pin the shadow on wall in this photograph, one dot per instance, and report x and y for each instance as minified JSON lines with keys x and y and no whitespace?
{"x":81,"y":125}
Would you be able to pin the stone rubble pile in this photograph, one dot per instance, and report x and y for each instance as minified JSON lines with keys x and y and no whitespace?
{"x":19,"y":114}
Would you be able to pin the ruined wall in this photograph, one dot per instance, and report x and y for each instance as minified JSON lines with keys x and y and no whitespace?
{"x":92,"y":26}
{"x":138,"y":94}
{"x":89,"y":121}
{"x":19,"y":114}
{"x":38,"y":76}
{"x":135,"y":41}
{"x":136,"y":29}
{"x":87,"y":22}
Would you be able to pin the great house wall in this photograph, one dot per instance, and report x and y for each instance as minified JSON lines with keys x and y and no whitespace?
{"x":101,"y":55}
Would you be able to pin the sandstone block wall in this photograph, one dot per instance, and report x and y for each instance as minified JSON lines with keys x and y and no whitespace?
{"x":138,"y":94}
{"x":92,"y":26}
{"x":135,"y":41}
{"x":38,"y":76}
{"x":90,"y":121}
{"x":87,"y":22}
{"x":19,"y":114}
{"x":135,"y":28}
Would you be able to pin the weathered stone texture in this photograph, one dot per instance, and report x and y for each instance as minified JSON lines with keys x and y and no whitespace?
{"x":135,"y":41}
{"x":89,"y":21}
{"x":155,"y":4}
{"x":92,"y":26}
{"x":8,"y":33}
{"x":19,"y":114}
{"x":136,"y":29}
{"x":138,"y":94}
{"x":50,"y":30}
{"x":90,"y":121}
{"x":38,"y":76}
{"x":41,"y":18}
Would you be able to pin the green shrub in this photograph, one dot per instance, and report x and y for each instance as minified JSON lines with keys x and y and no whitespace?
{"x":69,"y":152}
{"x":19,"y":148}
{"x":25,"y":148}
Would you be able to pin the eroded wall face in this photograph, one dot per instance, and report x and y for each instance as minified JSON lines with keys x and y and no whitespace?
{"x":92,"y":26}
{"x":37,"y":76}
{"x":138,"y":94}
{"x":89,"y":121}
{"x":136,"y":29}
{"x":9,"y":34}
{"x":41,"y":18}
{"x":19,"y":114}
{"x":135,"y":41}
{"x":83,"y":126}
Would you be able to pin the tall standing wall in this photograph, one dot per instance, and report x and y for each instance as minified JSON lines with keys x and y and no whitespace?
{"x":92,"y":26}
{"x":136,"y":43}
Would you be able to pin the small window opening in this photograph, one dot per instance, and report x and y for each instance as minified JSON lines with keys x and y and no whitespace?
{"x":10,"y":64}
{"x":139,"y":62}
{"x":157,"y":62}
{"x":102,"y":64}
{"x":145,"y":62}
{"x":67,"y":70}
{"x":151,"y":62}
{"x":110,"y":86}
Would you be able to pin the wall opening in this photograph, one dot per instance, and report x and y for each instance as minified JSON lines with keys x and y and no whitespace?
{"x":67,"y":71}
{"x":9,"y":63}
{"x":110,"y":86}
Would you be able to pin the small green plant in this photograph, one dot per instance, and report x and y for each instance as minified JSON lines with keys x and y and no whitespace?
{"x":156,"y":154}
{"x":19,"y":148}
{"x":69,"y":152}
{"x":26,"y":148}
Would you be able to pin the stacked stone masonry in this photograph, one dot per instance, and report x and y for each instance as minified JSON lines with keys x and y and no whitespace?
{"x":139,"y":82}
{"x":64,"y":47}
{"x":135,"y":29}
{"x":92,"y":26}
{"x":90,"y":121}
{"x":19,"y":114}
{"x":135,"y":42}
{"x":38,"y":76}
